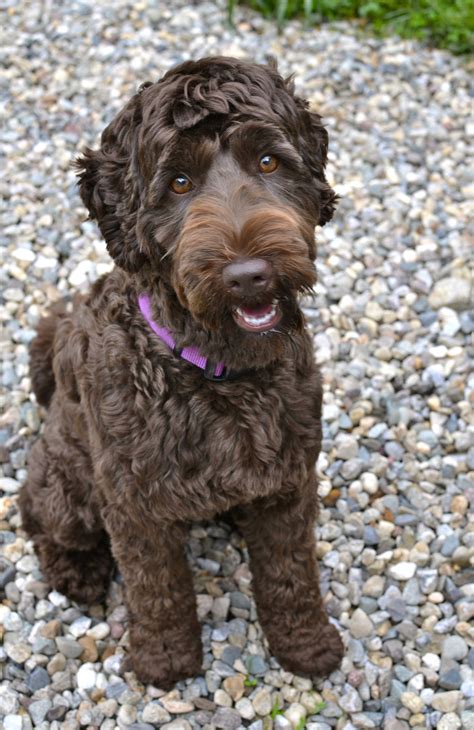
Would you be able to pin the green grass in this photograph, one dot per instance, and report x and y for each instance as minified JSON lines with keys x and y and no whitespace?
{"x":442,"y":23}
{"x":276,"y":710}
{"x":250,"y":681}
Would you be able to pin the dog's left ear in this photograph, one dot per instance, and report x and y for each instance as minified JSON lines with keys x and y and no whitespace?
{"x":314,"y":149}
{"x":109,"y":183}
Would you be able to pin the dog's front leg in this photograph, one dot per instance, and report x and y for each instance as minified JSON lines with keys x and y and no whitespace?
{"x":281,"y":542}
{"x":165,"y":636}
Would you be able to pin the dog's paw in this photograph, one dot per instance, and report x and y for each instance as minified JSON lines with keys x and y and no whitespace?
{"x":317,"y":655}
{"x":163,"y":669}
{"x":82,"y":576}
{"x":87,"y":590}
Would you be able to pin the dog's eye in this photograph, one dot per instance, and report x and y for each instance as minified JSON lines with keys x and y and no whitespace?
{"x":268,"y":163}
{"x":181,"y":184}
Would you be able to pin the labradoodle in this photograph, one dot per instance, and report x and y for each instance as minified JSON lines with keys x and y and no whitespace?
{"x":183,"y":385}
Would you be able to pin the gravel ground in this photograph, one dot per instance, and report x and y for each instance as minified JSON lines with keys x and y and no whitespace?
{"x":392,"y":331}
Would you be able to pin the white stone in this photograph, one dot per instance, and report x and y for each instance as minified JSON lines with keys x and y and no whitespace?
{"x":416,"y":683}
{"x":427,"y":695}
{"x":23,"y":254}
{"x":100,"y":631}
{"x":350,"y":701}
{"x":45,"y":262}
{"x":113,"y":664}
{"x":454,"y":292}
{"x":9,"y":485}
{"x":262,"y":702}
{"x":220,"y":607}
{"x":83,"y":274}
{"x":330,"y":412}
{"x":127,"y":715}
{"x":281,"y":723}
{"x":19,"y":652}
{"x":411,"y":701}
{"x":450,"y":721}
{"x":155,"y":714}
{"x":374,"y":586}
{"x":86,"y":677}
{"x":4,"y":612}
{"x":446,"y":701}
{"x":174,"y":704}
{"x":13,"y":722}
{"x":222,"y":699}
{"x":79,"y":626}
{"x":245,"y":708}
{"x":322,"y":348}
{"x":432,"y":661}
{"x":402,"y":571}
{"x":178,"y":724}
{"x":360,"y":624}
{"x":57,"y":599}
{"x":369,"y":482}
{"x":295,"y":714}
{"x":204,"y":604}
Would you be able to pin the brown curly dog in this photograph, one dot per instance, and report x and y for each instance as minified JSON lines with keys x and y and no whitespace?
{"x":184,"y":385}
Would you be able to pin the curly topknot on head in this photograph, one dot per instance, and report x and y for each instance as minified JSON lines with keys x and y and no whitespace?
{"x":205,"y":98}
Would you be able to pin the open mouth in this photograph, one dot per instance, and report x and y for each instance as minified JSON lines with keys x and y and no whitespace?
{"x":258,"y":319}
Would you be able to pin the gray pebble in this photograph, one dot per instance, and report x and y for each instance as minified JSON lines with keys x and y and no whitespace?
{"x":69,"y":647}
{"x":230,"y":654}
{"x":454,"y":647}
{"x":352,"y":468}
{"x":113,"y":691}
{"x":38,"y":678}
{"x":226,"y":719}
{"x":8,"y":700}
{"x":450,"y":544}
{"x":38,"y":710}
{"x":450,"y":679}
{"x":256,"y":665}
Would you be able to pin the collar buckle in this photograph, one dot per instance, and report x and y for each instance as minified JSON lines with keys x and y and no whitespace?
{"x":209,"y":373}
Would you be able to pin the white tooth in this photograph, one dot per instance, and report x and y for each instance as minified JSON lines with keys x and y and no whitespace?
{"x":257,"y":321}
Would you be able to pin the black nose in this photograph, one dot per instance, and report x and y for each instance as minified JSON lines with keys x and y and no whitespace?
{"x":247,"y":277}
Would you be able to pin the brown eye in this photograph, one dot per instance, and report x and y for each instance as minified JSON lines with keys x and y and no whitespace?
{"x":181,"y":184}
{"x":268,"y":163}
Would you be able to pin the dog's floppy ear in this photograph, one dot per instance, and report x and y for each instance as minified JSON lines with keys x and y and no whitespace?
{"x":314,"y":149}
{"x":109,"y":183}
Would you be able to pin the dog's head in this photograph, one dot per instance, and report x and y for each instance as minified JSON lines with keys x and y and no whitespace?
{"x":213,"y":178}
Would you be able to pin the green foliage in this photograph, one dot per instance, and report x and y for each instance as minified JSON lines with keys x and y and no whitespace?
{"x":250,"y":681}
{"x":319,"y":707}
{"x":444,"y":23}
{"x":230,"y":10}
{"x":301,"y":724}
{"x":275,"y":710}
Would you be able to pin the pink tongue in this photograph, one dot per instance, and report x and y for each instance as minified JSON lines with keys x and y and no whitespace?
{"x":258,"y":312}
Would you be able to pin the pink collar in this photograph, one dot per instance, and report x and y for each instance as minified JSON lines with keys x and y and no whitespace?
{"x":191,"y":354}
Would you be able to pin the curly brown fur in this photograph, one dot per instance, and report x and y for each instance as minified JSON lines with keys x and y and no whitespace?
{"x":137,"y":442}
{"x":41,"y":355}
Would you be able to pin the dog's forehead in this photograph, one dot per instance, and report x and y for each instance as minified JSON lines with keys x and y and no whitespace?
{"x":215,"y":91}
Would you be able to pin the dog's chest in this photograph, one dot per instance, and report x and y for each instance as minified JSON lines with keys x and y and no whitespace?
{"x":221,"y":452}
{"x":208,"y":449}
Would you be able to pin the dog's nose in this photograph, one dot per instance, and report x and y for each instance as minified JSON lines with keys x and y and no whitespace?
{"x":247,"y":277}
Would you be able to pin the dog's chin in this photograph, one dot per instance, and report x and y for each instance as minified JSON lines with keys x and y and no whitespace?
{"x":258,"y":319}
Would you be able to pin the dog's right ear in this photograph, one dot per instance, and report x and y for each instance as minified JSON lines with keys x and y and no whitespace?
{"x":110,"y":185}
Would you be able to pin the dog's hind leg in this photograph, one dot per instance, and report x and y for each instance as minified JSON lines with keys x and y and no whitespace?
{"x":280,"y":538}
{"x":60,"y":516}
